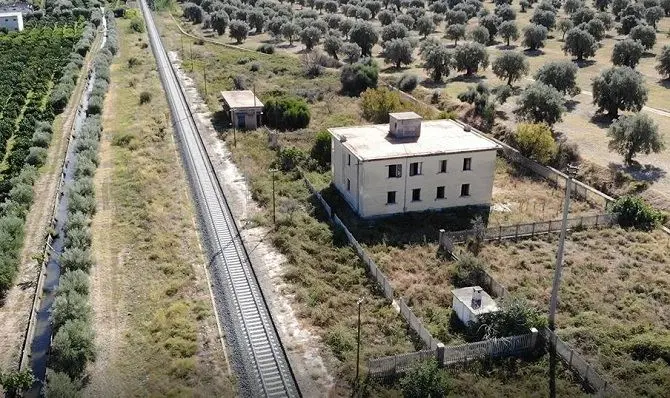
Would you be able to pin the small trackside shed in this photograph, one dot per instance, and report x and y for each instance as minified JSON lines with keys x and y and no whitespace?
{"x":244,"y":108}
{"x":11,"y":21}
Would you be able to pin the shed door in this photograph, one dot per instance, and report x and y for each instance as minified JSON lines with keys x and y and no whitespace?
{"x":241,"y":120}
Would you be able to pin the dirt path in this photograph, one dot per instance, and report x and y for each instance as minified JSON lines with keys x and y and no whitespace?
{"x":303,"y":347}
{"x":15,"y":310}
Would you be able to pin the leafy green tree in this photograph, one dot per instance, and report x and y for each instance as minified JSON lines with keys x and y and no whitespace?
{"x":358,"y":77}
{"x":630,"y":135}
{"x":544,"y":18}
{"x":607,"y":19}
{"x":455,"y":32}
{"x":563,"y":26}
{"x":480,"y":34}
{"x":580,"y":43}
{"x":602,"y":4}
{"x":377,"y":103}
{"x":454,"y":17}
{"x":510,"y":66}
{"x":352,"y":52}
{"x":330,"y":6}
{"x":505,"y":12}
{"x":633,"y":212}
{"x":619,"y":88}
{"x":571,"y":6}
{"x":220,"y":22}
{"x":310,"y":37}
{"x":582,"y":15}
{"x":646,"y":35}
{"x":321,"y":150}
{"x":332,"y":45}
{"x":257,"y":19}
{"x":17,"y":382}
{"x":60,"y":385}
{"x":286,"y":112}
{"x":398,"y":52}
{"x":425,"y":26}
{"x":535,"y":141}
{"x":290,"y":32}
{"x":436,"y":61}
{"x":470,"y":57}
{"x":654,"y":14}
{"x":627,"y":52}
{"x":663,"y":58}
{"x":561,"y":75}
{"x":540,"y":103}
{"x":480,"y":97}
{"x":238,"y":30}
{"x":508,"y":31}
{"x":392,"y":31}
{"x":363,"y":34}
{"x":425,"y":380}
{"x":534,"y":36}
{"x":627,"y":23}
{"x":490,"y":22}
{"x":72,"y":347}
{"x":596,"y":28}
{"x":385,"y":17}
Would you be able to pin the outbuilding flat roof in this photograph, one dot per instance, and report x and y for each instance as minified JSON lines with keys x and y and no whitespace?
{"x":464,"y":295}
{"x":404,"y":115}
{"x":11,"y":14}
{"x":241,"y":99}
{"x":373,"y":142}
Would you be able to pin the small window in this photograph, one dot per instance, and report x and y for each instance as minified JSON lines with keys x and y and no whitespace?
{"x":467,"y":164}
{"x":416,"y":195}
{"x":415,"y":168}
{"x":465,"y":190}
{"x":443,"y":166}
{"x":348,"y":184}
{"x":440,"y":193}
{"x":348,"y":160}
{"x":395,"y":171}
{"x":390,"y":197}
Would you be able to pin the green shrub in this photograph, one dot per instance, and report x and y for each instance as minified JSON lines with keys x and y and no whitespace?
{"x":632,"y":211}
{"x":514,"y":317}
{"x":78,"y":237}
{"x":408,"y":82}
{"x":17,"y":382}
{"x":358,"y":77}
{"x":647,"y":347}
{"x":341,"y":339}
{"x":69,"y":307}
{"x":286,"y":112}
{"x":535,"y":141}
{"x":469,"y":271}
{"x":60,"y":385}
{"x":37,"y":156}
{"x":72,"y":347}
{"x":377,"y":103}
{"x":73,"y":281}
{"x":145,"y":97}
{"x":290,"y":158}
{"x":266,"y":49}
{"x":321,"y":150}
{"x":76,"y":258}
{"x":137,"y":25}
{"x":426,"y":379}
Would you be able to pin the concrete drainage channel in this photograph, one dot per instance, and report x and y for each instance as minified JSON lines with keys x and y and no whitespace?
{"x":37,"y":352}
{"x":257,"y":353}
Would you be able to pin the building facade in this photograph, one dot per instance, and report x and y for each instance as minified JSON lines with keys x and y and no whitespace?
{"x":411,"y":165}
{"x":11,"y":21}
{"x":244,"y":109}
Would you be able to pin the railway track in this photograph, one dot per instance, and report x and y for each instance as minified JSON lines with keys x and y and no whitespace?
{"x":257,"y":353}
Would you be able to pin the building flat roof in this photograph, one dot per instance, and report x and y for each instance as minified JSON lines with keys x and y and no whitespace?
{"x":464,"y":295}
{"x":241,"y":99}
{"x":373,"y":142}
{"x":405,"y":115}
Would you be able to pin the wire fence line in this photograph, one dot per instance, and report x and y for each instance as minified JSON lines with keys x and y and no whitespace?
{"x":515,"y":231}
{"x":414,"y":322}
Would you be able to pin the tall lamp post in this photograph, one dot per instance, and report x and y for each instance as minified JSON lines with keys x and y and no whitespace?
{"x":571,"y":172}
{"x":358,"y":340}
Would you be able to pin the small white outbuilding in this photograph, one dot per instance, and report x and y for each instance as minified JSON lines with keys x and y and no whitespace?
{"x":11,"y":21}
{"x":471,"y":302}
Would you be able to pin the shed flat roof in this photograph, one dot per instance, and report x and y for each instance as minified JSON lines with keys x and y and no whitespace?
{"x":373,"y":142}
{"x":241,"y":99}
{"x":464,"y":295}
{"x":405,"y":115}
{"x":11,"y":14}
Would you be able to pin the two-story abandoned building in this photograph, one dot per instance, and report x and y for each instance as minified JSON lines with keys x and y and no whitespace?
{"x":412,"y":165}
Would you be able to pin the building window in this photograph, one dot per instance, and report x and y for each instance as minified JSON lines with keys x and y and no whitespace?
{"x":440,"y":193}
{"x":465,"y":190}
{"x":348,"y":184}
{"x":395,"y":171}
{"x":443,"y":166}
{"x":467,"y":164}
{"x":390,"y":197}
{"x":348,"y":160}
{"x":415,"y":168}
{"x":416,"y":195}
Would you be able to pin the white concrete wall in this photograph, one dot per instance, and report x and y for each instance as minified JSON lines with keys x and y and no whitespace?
{"x":11,"y":23}
{"x":250,"y":118}
{"x":342,"y":170}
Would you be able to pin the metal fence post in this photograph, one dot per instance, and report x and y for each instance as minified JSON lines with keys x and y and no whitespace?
{"x":440,"y":354}
{"x":572,"y":352}
{"x":532,"y":232}
{"x":441,"y":239}
{"x":533,"y":337}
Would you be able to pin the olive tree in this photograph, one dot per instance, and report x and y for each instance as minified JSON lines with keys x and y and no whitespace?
{"x":490,"y":22}
{"x":480,"y":34}
{"x":351,"y":51}
{"x":627,"y":52}
{"x":540,"y":103}
{"x":398,"y":52}
{"x":534,"y":36}
{"x":619,"y":88}
{"x":363,"y":34}
{"x":392,"y":31}
{"x":310,"y":37}
{"x":510,"y":66}
{"x":332,"y":45}
{"x":220,"y":21}
{"x":238,"y":30}
{"x":563,"y":26}
{"x":633,"y":134}
{"x":290,"y":32}
{"x":470,"y":57}
{"x":455,"y":32}
{"x":663,"y":66}
{"x":425,"y":26}
{"x":646,"y":35}
{"x":544,"y":18}
{"x":580,"y":43}
{"x":508,"y":31}
{"x":436,"y":61}
{"x":654,"y":14}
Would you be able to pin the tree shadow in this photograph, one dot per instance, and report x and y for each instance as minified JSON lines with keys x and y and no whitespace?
{"x":533,"y":53}
{"x":584,"y":62}
{"x":648,"y":54}
{"x":430,"y":83}
{"x":502,"y":115}
{"x":473,"y":78}
{"x":393,"y":69}
{"x":640,"y":172}
{"x":220,"y":121}
{"x":602,"y":120}
{"x":507,"y":47}
{"x":286,"y":46}
{"x":571,"y":104}
{"x":665,"y":83}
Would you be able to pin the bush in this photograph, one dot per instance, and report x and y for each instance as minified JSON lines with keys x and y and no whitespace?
{"x":145,"y":97}
{"x":72,"y":347}
{"x":408,"y":82}
{"x":514,"y":317}
{"x":321,"y":150}
{"x":286,"y":113}
{"x":633,"y":212}
{"x":37,"y":156}
{"x":71,"y":306}
{"x":426,"y":379}
{"x":358,"y":77}
{"x":290,"y":158}
{"x":536,"y":142}
{"x":137,"y":25}
{"x":469,"y":271}
{"x":266,"y":49}
{"x":647,"y":347}
{"x":60,"y":385}
{"x":377,"y":103}
{"x":73,"y":281}
{"x":76,"y":259}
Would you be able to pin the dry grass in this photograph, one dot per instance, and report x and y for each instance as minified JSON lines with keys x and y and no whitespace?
{"x":614,"y":291}
{"x":156,"y":333}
